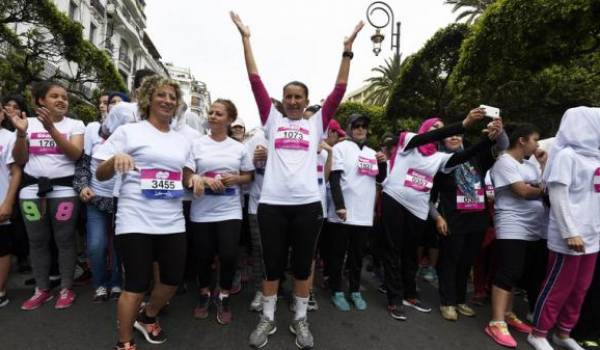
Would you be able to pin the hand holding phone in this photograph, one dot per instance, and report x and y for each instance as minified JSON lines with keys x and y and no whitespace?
{"x":491,"y":112}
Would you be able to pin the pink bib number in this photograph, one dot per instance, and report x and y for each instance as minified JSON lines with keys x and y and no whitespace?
{"x":161,"y":184}
{"x":367,"y":166}
{"x":418,"y":181}
{"x":464,"y":203}
{"x":597,"y":181}
{"x":292,"y":138}
{"x":41,"y":143}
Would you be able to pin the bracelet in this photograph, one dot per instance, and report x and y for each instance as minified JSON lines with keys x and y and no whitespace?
{"x":348,"y":54}
{"x":21,"y":135}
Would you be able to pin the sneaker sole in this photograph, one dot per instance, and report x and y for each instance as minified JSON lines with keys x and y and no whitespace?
{"x":62,"y":307}
{"x":490,"y":334}
{"x":273,"y":331}
{"x":221,"y":322}
{"x":398,"y":318}
{"x":420,"y":309}
{"x":296,"y":340}
{"x":4,"y":303}
{"x":146,"y":335}
{"x":40,"y":305}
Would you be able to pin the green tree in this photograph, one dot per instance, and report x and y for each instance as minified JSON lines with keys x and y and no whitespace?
{"x":46,"y":35}
{"x":421,"y":89}
{"x":381,"y":86}
{"x":533,"y":59}
{"x":469,"y":9}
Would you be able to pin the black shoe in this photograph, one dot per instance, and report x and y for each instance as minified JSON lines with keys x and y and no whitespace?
{"x":4,"y":300}
{"x":417,"y":305}
{"x":382,"y":289}
{"x":397,"y":312}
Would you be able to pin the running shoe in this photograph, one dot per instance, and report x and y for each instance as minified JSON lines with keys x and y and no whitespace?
{"x":260,"y":336}
{"x":566,"y":343}
{"x":130,"y":345}
{"x":236,"y":287}
{"x":312,"y":301}
{"x":100,"y":295}
{"x":449,"y":313}
{"x":224,"y":315}
{"x":520,"y":326}
{"x":429,"y":274}
{"x":201,"y":310}
{"x":417,"y":305}
{"x":340,"y":302}
{"x":541,"y":343}
{"x":465,"y":310}
{"x":397,"y":312}
{"x":256,"y":304}
{"x":39,"y":297}
{"x":151,"y":331}
{"x":498,"y":331}
{"x":359,"y":303}
{"x":115,"y":292}
{"x":304,"y":338}
{"x":4,"y":300}
{"x":66,"y":297}
{"x":382,"y":289}
{"x":589,"y":344}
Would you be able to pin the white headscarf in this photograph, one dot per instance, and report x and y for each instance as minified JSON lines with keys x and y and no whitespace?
{"x":580,"y":130}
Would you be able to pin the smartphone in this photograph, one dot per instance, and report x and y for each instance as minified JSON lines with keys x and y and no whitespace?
{"x":491,"y":112}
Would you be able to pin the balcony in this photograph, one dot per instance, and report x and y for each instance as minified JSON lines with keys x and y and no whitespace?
{"x":96,"y":4}
{"x":125,"y":61}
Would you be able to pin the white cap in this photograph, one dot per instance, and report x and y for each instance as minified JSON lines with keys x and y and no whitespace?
{"x":238,"y":122}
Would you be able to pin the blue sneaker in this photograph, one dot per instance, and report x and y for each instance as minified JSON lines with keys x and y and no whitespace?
{"x":358,"y":301}
{"x":339,"y":300}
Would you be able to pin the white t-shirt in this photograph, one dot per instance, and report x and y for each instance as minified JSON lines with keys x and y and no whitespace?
{"x":255,"y":186}
{"x":517,"y":218}
{"x":7,"y":143}
{"x":212,"y":159}
{"x":582,"y":176}
{"x":321,"y":160}
{"x":410,"y":180}
{"x":359,"y":169}
{"x":121,"y":113}
{"x":291,"y":171}
{"x":46,"y":159}
{"x":92,"y":142}
{"x":191,"y":135}
{"x":150,"y":197}
{"x":89,"y":136}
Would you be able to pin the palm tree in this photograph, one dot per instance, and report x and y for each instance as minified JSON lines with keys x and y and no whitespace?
{"x":470,"y":8}
{"x":381,"y":86}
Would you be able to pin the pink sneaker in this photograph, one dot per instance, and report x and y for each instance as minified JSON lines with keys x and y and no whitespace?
{"x":520,"y":326}
{"x":498,"y":331}
{"x":40,"y":296}
{"x":66,"y":297}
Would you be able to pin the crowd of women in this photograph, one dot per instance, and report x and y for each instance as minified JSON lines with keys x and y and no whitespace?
{"x":164,"y":204}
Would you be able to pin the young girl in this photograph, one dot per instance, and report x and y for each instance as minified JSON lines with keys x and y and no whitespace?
{"x":290,"y":209}
{"x":573,"y":180}
{"x":48,"y":146}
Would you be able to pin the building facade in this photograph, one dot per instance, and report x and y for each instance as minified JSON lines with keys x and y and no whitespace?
{"x":195,"y":93}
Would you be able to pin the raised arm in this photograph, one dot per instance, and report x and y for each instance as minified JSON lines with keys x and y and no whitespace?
{"x":335,"y":98}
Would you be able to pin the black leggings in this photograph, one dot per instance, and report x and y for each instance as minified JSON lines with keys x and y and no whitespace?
{"x":138,"y":251}
{"x":219,"y":239}
{"x":402,"y":231}
{"x":351,"y":239}
{"x":282,"y":226}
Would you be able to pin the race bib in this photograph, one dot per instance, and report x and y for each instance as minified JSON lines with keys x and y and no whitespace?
{"x":490,"y":191}
{"x":229,"y":191}
{"x":367,"y":166}
{"x":292,"y":138}
{"x":161,"y":184}
{"x":41,"y":143}
{"x":597,"y":181}
{"x":464,"y":203}
{"x":418,"y":181}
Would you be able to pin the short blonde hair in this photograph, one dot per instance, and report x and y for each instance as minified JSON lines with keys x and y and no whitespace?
{"x":149,"y":87}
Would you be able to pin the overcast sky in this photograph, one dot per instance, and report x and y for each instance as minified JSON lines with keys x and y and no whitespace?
{"x":292,"y":40}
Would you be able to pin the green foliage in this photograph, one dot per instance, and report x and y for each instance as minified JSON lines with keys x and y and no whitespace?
{"x":421,"y":90}
{"x":469,"y":9}
{"x":84,"y":111}
{"x":381,"y":86}
{"x":533,"y":59}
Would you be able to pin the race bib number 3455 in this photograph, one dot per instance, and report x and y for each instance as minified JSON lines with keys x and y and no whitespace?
{"x":161,"y":184}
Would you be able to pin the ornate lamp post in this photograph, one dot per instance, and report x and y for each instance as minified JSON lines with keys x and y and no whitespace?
{"x":378,"y":37}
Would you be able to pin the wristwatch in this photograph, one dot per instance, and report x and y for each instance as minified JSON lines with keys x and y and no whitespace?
{"x":348,"y":54}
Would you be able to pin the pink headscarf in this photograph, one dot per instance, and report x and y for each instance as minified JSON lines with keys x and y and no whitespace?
{"x":429,"y":148}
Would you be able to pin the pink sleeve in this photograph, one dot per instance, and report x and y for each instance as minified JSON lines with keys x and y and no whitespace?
{"x":332,"y":102}
{"x":261,"y":96}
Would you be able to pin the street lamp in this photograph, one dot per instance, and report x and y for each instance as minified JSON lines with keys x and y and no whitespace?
{"x":377,"y":38}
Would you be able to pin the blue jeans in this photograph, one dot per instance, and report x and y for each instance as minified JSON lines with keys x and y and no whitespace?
{"x":97,"y":250}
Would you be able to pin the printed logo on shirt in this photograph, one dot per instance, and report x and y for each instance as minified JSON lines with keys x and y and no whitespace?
{"x":418,"y":181}
{"x":367,"y":166}
{"x":161,"y":184}
{"x":41,"y":143}
{"x":464,"y":203}
{"x":597,"y":181}
{"x":292,"y":138}
{"x":229,"y":191}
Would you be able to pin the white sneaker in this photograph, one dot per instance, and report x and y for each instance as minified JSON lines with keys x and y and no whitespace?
{"x":256,"y":304}
{"x":539,"y":343}
{"x":567,"y":343}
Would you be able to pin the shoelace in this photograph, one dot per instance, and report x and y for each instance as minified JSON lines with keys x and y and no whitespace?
{"x":64,"y":294}
{"x":263,"y":325}
{"x":101,"y":291}
{"x":502,"y":328}
{"x":154,"y":328}
{"x":303,"y":328}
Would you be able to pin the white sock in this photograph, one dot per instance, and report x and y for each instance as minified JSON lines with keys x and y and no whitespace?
{"x":539,"y":343}
{"x":269,"y":305}
{"x":568,"y":343}
{"x":301,"y":307}
{"x":223,"y":295}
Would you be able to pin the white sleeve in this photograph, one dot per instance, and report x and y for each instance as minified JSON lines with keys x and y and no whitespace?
{"x":246,"y":161}
{"x":337,"y":161}
{"x":272,"y":119}
{"x":562,"y":168}
{"x":88,"y":137}
{"x":190,"y":161}
{"x":116,"y":143}
{"x":78,"y":128}
{"x":559,"y":199}
{"x":505,"y":172}
{"x":9,"y":149}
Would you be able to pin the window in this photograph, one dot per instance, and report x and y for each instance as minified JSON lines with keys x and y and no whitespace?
{"x":93,"y":30}
{"x":73,"y":11}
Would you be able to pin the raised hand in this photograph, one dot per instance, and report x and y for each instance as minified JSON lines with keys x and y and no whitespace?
{"x":43,"y":115}
{"x":349,"y":40}
{"x":18,"y":121}
{"x":244,"y":29}
{"x":473,"y":117}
